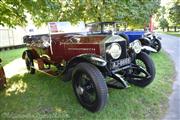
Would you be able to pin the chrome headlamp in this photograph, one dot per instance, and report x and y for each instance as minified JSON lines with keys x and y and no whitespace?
{"x":136,"y":46}
{"x":114,"y":50}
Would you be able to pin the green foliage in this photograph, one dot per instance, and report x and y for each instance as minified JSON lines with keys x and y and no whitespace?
{"x":134,"y":12}
{"x":12,"y":13}
{"x":174,"y":13}
{"x":163,"y":23}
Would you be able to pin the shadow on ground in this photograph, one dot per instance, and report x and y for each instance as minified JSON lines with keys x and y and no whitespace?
{"x":36,"y":95}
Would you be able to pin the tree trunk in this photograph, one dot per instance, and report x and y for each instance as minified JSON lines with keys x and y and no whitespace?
{"x":168,"y":29}
{"x":175,"y":30}
{"x":163,"y":29}
{"x":125,"y":27}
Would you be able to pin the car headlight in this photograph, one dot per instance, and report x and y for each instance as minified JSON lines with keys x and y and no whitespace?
{"x":136,"y":46}
{"x":114,"y":50}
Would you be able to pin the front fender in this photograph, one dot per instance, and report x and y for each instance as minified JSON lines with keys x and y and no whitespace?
{"x":33,"y":53}
{"x":145,"y":41}
{"x":96,"y":60}
{"x":90,"y":58}
{"x":149,"y":49}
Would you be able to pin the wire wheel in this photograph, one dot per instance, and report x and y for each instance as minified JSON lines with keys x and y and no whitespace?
{"x":143,"y":72}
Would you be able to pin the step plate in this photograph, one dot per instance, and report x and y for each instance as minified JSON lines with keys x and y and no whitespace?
{"x":50,"y":72}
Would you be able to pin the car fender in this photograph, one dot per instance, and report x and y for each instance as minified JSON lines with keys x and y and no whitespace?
{"x":96,"y":60}
{"x":33,"y":53}
{"x":123,"y":35}
{"x":148,"y":49}
{"x":90,"y":58}
{"x":145,"y":41}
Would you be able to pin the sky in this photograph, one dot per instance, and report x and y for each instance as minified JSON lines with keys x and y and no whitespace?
{"x":165,"y":2}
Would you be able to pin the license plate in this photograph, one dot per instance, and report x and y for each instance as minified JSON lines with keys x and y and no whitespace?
{"x":120,"y":63}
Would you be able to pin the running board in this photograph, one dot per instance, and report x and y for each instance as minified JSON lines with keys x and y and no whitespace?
{"x":39,"y":66}
{"x":48,"y":72}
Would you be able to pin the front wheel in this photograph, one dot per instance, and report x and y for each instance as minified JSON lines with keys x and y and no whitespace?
{"x":90,"y":87}
{"x":156,"y":45}
{"x":29,"y":62}
{"x":144,"y":72}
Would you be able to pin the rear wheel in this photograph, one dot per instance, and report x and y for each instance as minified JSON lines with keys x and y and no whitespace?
{"x":144,"y":73}
{"x":29,"y":62}
{"x":90,"y":87}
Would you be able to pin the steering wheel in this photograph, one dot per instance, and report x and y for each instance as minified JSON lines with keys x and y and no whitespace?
{"x":73,"y":39}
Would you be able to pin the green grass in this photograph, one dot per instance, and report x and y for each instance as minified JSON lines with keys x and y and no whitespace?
{"x":40,"y":96}
{"x":173,"y":33}
{"x":8,"y":56}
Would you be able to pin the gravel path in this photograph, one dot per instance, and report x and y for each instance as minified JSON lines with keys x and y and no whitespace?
{"x":15,"y":67}
{"x":171,"y":45}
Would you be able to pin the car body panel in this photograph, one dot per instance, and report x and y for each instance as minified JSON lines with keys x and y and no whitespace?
{"x":134,"y":35}
{"x":66,"y":46}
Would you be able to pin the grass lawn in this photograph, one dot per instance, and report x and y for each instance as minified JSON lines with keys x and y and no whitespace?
{"x":173,"y":33}
{"x":40,"y":96}
{"x":8,"y":56}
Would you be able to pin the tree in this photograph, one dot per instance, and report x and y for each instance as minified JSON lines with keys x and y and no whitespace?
{"x":12,"y":13}
{"x":174,"y":14}
{"x":134,"y":12}
{"x":163,"y":23}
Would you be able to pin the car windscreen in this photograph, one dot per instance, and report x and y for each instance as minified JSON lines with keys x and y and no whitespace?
{"x":104,"y":27}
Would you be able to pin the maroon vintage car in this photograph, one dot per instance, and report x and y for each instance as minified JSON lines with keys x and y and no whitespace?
{"x":2,"y":77}
{"x":87,"y":60}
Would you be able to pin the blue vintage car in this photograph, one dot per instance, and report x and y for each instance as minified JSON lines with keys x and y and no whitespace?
{"x":134,"y":35}
{"x":109,"y":27}
{"x":147,"y":38}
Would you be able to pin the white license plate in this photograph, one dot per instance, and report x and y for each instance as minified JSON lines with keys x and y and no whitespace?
{"x":120,"y":63}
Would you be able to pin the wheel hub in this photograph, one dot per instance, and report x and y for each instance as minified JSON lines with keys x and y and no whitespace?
{"x":80,"y":90}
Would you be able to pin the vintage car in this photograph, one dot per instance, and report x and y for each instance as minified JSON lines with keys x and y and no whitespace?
{"x":153,"y":40}
{"x":2,"y":77}
{"x":92,"y":62}
{"x":146,"y":38}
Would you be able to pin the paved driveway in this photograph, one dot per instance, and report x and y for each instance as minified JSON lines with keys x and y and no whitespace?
{"x":171,"y":45}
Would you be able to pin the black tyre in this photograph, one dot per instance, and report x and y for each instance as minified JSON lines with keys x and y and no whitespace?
{"x":156,"y":45}
{"x":144,"y":61}
{"x":29,"y":62}
{"x":90,"y":87}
